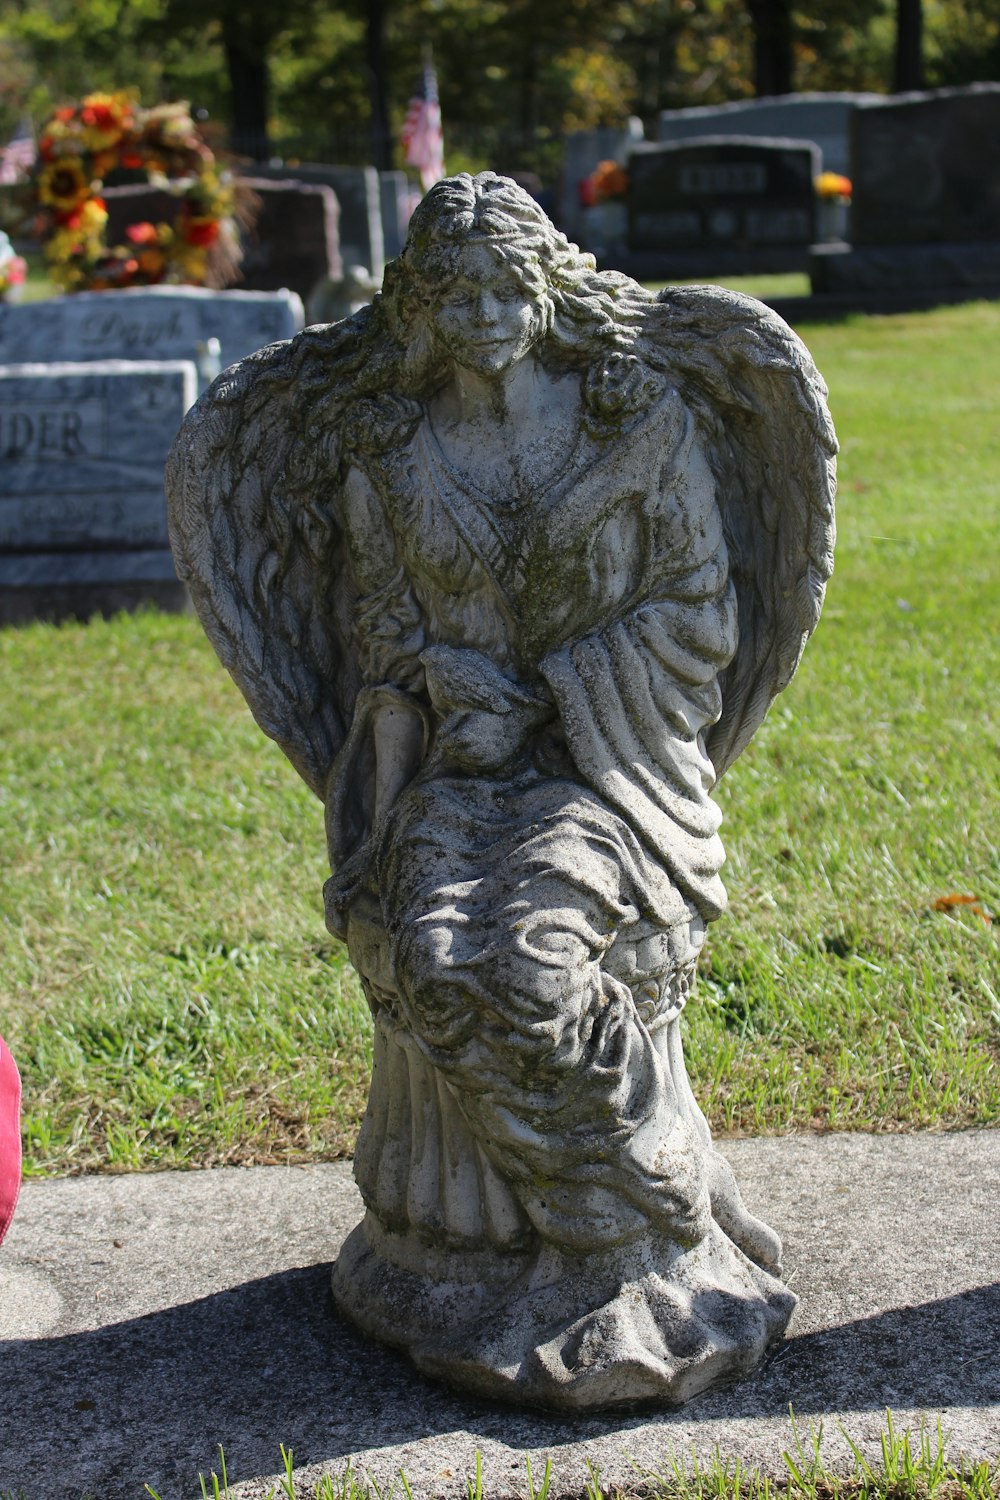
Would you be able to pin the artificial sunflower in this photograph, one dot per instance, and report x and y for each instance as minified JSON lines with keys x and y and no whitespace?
{"x":63,"y":185}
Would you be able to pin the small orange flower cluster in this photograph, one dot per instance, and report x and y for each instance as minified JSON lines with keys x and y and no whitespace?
{"x":608,"y":180}
{"x":833,"y":187}
{"x":81,"y":146}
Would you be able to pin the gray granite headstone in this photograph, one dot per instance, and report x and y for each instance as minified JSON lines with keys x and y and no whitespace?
{"x":163,"y":322}
{"x":359,"y":195}
{"x":82,"y":512}
{"x":395,"y":196}
{"x":585,"y":150}
{"x":722,"y":193}
{"x":818,"y":117}
{"x":295,"y":241}
{"x":926,"y":167}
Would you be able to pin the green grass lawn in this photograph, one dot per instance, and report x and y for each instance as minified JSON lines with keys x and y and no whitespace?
{"x":168,"y":986}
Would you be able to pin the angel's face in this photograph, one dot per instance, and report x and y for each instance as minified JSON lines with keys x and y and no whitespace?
{"x":485,"y":320}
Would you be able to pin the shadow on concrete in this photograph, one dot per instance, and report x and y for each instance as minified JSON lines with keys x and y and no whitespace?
{"x":271,"y":1362}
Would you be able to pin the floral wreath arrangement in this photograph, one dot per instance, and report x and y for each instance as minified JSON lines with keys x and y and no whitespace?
{"x":13,"y":269}
{"x":110,"y":135}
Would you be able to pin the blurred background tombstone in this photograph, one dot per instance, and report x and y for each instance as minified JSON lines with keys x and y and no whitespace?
{"x":142,"y":323}
{"x":83,"y":526}
{"x":721,"y":205}
{"x":359,"y":195}
{"x":925,"y":170}
{"x":295,"y":240}
{"x":584,"y":151}
{"x":820,"y":118}
{"x":395,"y":200}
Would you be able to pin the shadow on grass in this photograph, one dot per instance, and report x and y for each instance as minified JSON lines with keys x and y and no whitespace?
{"x":148,"y":1400}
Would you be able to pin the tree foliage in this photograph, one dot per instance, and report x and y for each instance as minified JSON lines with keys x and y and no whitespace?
{"x":302,"y":75}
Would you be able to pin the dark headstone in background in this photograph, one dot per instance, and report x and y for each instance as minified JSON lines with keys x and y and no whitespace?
{"x":295,"y":240}
{"x":822,"y":118}
{"x":722,"y":194}
{"x":359,"y":196}
{"x":926,"y":167}
{"x":83,"y":525}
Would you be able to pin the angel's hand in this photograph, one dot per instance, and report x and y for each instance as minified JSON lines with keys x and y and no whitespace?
{"x":485,"y":740}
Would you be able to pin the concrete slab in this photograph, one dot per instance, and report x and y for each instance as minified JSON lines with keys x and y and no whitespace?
{"x":145,"y":1319}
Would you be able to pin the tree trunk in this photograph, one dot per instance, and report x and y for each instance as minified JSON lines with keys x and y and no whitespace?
{"x":378,"y":84}
{"x":909,"y":70}
{"x":248,"y":80}
{"x":772,"y":49}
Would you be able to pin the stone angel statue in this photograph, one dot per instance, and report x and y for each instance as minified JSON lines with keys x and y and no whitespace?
{"x":511,"y":564}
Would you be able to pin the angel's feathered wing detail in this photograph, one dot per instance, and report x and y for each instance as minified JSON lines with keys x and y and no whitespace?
{"x":755,"y":388}
{"x":256,"y":539}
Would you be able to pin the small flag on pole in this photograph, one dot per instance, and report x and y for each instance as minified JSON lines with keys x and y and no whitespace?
{"x":421,"y":136}
{"x":18,"y":157}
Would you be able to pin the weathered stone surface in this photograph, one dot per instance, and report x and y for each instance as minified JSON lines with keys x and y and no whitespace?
{"x":144,"y":1319}
{"x":82,"y":448}
{"x":465,"y":554}
{"x":822,"y":118}
{"x":722,"y":193}
{"x":146,"y":323}
{"x":926,"y":168}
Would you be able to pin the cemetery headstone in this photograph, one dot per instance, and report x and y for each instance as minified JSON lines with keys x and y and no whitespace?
{"x":584,"y":150}
{"x":360,"y":198}
{"x":721,"y":197}
{"x":395,"y":198}
{"x":82,"y":511}
{"x":820,"y":118}
{"x":511,"y":636}
{"x":294,"y":241}
{"x":143,"y":323}
{"x":925,"y":170}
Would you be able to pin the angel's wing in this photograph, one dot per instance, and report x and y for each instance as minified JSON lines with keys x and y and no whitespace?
{"x":762,"y":403}
{"x":250,"y":493}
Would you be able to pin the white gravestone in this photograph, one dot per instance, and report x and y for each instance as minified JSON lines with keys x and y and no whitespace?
{"x":147,"y":323}
{"x":82,"y":513}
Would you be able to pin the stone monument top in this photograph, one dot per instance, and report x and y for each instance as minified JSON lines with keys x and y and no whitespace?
{"x":511,"y":563}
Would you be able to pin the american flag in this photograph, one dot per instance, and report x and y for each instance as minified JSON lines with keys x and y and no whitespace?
{"x":421,"y":136}
{"x":18,"y":157}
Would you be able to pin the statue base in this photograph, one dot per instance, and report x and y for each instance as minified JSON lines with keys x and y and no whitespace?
{"x":644,"y":1323}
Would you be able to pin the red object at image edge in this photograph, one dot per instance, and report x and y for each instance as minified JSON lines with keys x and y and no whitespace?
{"x":10,"y":1137}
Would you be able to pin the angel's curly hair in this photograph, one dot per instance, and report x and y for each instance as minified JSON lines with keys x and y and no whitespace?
{"x":583,"y":312}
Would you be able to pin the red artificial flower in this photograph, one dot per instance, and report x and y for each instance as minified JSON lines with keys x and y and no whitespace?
{"x":99,"y":117}
{"x":201,"y":232}
{"x":131,"y":159}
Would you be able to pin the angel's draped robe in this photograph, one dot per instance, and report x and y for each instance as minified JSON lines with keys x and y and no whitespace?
{"x":544,"y":919}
